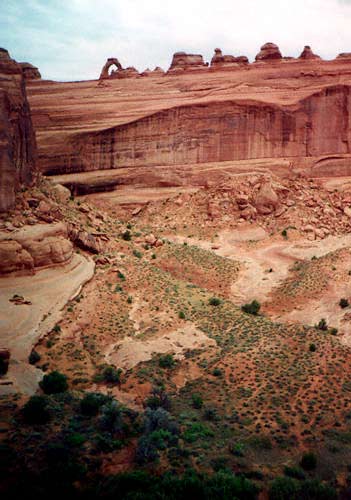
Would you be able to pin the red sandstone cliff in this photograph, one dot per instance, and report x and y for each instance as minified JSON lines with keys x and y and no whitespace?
{"x":17,"y":140}
{"x":287,"y":108}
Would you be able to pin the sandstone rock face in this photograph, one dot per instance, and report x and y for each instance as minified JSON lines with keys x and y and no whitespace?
{"x":307,"y":53}
{"x":225,"y":113}
{"x":17,"y":140}
{"x":220,"y":60}
{"x":183,"y":61}
{"x":30,"y":72}
{"x":269,"y":51}
{"x":220,"y":131}
{"x":32,"y":247}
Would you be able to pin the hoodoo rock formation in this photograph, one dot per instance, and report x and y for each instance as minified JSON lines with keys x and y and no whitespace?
{"x":269,"y":52}
{"x":307,"y":53}
{"x":220,"y":60}
{"x":17,"y":140}
{"x":30,"y":72}
{"x":183,"y":61}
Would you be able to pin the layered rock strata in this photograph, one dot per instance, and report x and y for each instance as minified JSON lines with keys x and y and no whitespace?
{"x":17,"y":140}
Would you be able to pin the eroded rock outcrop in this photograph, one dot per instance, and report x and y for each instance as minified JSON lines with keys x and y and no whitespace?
{"x":17,"y":140}
{"x":30,"y":72}
{"x":33,"y":247}
{"x":307,"y":53}
{"x":269,"y":52}
{"x":182,"y":61}
{"x":119,"y":72}
{"x":220,"y":60}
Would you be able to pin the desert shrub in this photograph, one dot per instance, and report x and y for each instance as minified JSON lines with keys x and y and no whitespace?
{"x":34,"y":357}
{"x":333,"y":331}
{"x":158,"y":399}
{"x":308,"y":461}
{"x":313,"y":347}
{"x":197,"y":401}
{"x":214,"y":301}
{"x":121,"y":276}
{"x":211,"y":414}
{"x":92,"y":402}
{"x":196,"y":431}
{"x":35,"y":410}
{"x":285,"y":233}
{"x":130,"y":299}
{"x":54,"y":383}
{"x":217,"y":372}
{"x":111,"y":418}
{"x":137,"y":254}
{"x":344,"y":303}
{"x":159,"y":419}
{"x":252,"y":307}
{"x":146,"y":451}
{"x":112,"y":375}
{"x":181,"y":314}
{"x":127,"y":235}
{"x":166,"y":361}
{"x":322,"y":325}
{"x":236,"y":449}
{"x":284,"y":488}
{"x":294,"y":472}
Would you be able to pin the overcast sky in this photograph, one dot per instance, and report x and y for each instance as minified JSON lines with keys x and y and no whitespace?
{"x":71,"y":39}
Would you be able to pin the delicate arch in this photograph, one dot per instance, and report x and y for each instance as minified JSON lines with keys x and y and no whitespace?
{"x":111,"y":61}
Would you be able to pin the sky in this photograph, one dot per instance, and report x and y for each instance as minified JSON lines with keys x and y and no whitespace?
{"x":71,"y":39}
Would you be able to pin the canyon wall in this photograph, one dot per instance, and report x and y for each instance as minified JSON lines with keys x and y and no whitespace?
{"x":17,"y":140}
{"x":218,"y":131}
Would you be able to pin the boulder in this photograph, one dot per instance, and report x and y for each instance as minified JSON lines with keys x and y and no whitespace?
{"x":94,"y":243}
{"x":62,"y":194}
{"x":269,"y":52}
{"x":266,"y":200}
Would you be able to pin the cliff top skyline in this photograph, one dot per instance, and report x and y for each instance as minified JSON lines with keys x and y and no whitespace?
{"x":71,"y":42}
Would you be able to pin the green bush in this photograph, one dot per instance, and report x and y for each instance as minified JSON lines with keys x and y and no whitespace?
{"x":197,"y":401}
{"x":214,"y":301}
{"x":92,"y":402}
{"x":308,"y":461}
{"x":166,"y":361}
{"x":284,"y":488}
{"x":294,"y":472}
{"x":54,"y":383}
{"x":112,"y":375}
{"x":344,"y":303}
{"x":137,"y":254}
{"x":181,"y":315}
{"x":34,"y":357}
{"x":251,"y":308}
{"x":127,"y":235}
{"x":322,"y":325}
{"x":35,"y":410}
{"x":313,"y":347}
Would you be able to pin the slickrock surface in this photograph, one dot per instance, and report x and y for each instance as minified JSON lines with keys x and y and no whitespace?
{"x":17,"y":144}
{"x":218,"y":114}
{"x":33,"y":247}
{"x":21,"y":326}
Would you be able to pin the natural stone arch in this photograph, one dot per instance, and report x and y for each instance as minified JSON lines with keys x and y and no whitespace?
{"x":111,"y":61}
